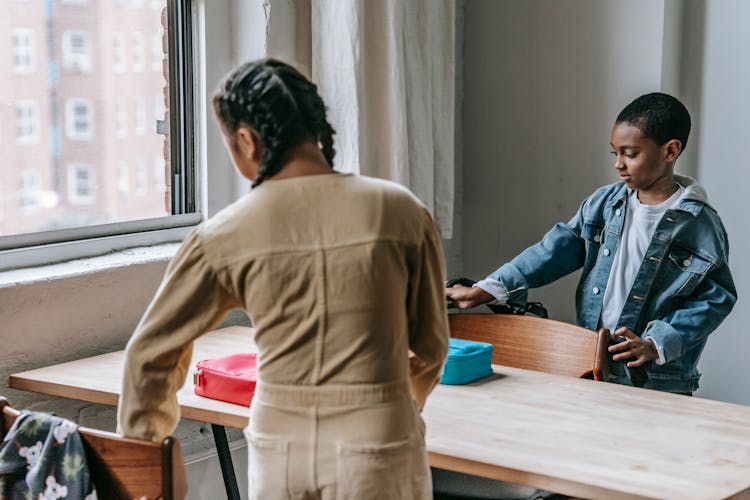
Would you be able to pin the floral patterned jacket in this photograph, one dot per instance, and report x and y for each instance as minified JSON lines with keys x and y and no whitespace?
{"x":42,"y":458}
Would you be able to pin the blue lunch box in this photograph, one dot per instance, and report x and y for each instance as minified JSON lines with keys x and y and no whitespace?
{"x":467,"y":361}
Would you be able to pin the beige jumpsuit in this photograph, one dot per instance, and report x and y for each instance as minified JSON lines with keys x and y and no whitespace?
{"x":343,"y":277}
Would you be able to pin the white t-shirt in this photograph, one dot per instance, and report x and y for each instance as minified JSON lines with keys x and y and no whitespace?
{"x":637,"y":230}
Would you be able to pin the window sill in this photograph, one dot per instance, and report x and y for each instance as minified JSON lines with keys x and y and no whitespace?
{"x":40,"y":249}
{"x":89,"y":265}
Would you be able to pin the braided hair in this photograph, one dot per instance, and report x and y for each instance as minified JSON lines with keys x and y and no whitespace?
{"x":280,"y":104}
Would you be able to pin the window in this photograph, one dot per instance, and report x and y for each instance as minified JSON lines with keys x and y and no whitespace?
{"x":81,"y":184}
{"x":24,"y":56}
{"x":29,"y":185}
{"x":141,"y":177}
{"x":138,"y":51}
{"x":27,"y":121}
{"x":123,"y":180}
{"x":2,"y":201}
{"x":159,"y":108}
{"x":140,"y":115}
{"x":76,"y":51}
{"x":157,"y":51}
{"x":79,"y":119}
{"x":59,"y":202}
{"x":160,"y":174}
{"x":121,"y":117}
{"x":118,"y":52}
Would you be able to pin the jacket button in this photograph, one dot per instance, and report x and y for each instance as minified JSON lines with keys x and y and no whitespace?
{"x":686,"y":262}
{"x":596,"y":290}
{"x":606,"y":251}
{"x":618,"y":211}
{"x":597,"y":238}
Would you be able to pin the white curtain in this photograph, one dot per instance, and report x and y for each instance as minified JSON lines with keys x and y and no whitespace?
{"x":386,"y":70}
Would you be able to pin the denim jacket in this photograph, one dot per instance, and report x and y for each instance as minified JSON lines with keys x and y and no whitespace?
{"x":683,"y":289}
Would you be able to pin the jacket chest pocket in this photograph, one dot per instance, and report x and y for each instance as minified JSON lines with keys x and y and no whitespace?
{"x":592,"y":232}
{"x":686,"y":270}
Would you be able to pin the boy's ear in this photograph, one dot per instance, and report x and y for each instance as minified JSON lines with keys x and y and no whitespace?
{"x":672,"y":149}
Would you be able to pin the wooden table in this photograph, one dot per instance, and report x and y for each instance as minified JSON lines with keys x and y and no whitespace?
{"x":577,"y":437}
{"x":98,"y":379}
{"x":590,"y":439}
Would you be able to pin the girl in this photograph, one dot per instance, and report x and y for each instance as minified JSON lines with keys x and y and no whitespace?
{"x":342,"y":276}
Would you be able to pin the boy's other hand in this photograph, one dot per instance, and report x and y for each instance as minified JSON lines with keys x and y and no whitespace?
{"x":466,"y":297}
{"x":633,"y":346}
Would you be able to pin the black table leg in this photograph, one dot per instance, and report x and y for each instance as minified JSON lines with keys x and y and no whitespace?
{"x":225,"y":459}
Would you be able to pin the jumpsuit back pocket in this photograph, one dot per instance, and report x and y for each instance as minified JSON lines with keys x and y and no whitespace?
{"x":268,"y":467}
{"x":395,"y":470}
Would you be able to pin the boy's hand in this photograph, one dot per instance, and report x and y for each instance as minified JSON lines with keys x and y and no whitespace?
{"x":466,"y":297}
{"x":633,"y":346}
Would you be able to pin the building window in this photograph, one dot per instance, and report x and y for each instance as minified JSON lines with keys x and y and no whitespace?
{"x":140,"y":115}
{"x":27,"y":121}
{"x":121,"y":117}
{"x":81,"y":184}
{"x":138,"y":51}
{"x":123,"y":180}
{"x":141,"y":177}
{"x":157,"y":51}
{"x":79,"y":119}
{"x":29,"y":184}
{"x":118,"y":52}
{"x":2,"y":201}
{"x":159,"y":107}
{"x":24,"y":54}
{"x":76,"y":51}
{"x":160,"y":165}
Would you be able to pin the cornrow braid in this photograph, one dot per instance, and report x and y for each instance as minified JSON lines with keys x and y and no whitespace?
{"x":280,"y":104}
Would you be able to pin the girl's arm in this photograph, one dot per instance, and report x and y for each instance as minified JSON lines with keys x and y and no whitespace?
{"x":427,"y":314}
{"x":189,"y":302}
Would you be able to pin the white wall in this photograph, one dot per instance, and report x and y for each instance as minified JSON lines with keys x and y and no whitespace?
{"x":543,"y":83}
{"x":724,"y":132}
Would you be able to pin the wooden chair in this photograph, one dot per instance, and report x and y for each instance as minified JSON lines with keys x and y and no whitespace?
{"x":123,"y":468}
{"x":537,"y":344}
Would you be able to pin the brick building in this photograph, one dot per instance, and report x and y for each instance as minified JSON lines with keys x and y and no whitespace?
{"x":82,"y":92}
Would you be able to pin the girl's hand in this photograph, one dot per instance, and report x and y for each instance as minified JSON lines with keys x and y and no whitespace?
{"x":466,"y":297}
{"x":633,"y":347}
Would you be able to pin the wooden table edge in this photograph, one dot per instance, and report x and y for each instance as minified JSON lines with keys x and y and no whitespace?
{"x":54,"y":389}
{"x":534,"y":480}
{"x":109,"y":399}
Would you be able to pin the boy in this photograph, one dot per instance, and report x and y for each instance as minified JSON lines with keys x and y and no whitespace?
{"x":653,"y":251}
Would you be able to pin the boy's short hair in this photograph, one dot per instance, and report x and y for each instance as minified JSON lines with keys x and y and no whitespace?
{"x":659,"y":116}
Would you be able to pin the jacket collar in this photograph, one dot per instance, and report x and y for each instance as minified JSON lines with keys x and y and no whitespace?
{"x":692,"y":200}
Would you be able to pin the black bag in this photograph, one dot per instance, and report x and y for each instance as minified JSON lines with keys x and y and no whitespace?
{"x":534,"y":308}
